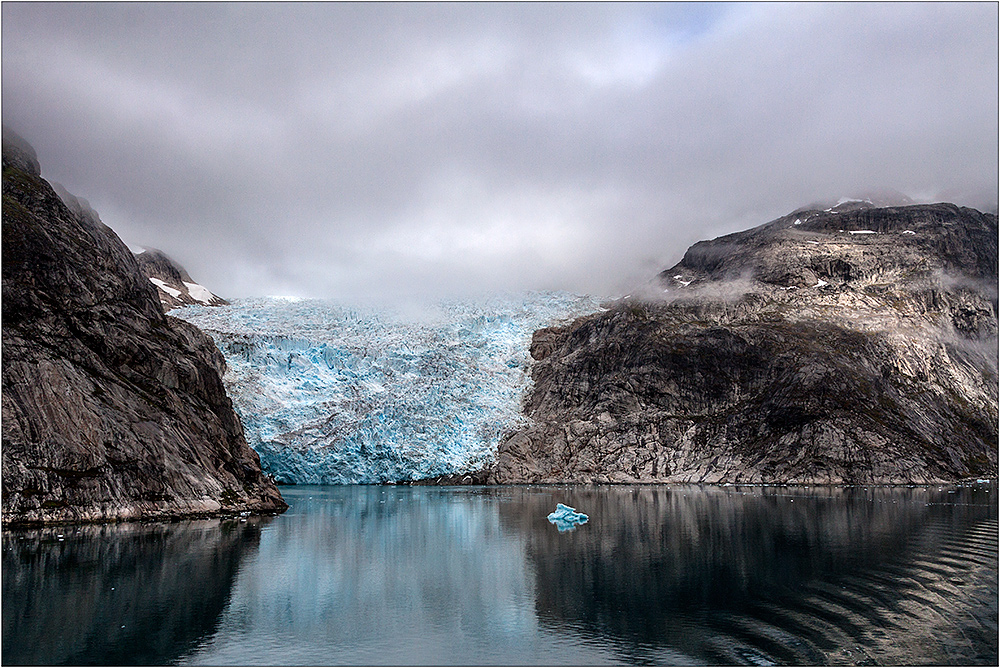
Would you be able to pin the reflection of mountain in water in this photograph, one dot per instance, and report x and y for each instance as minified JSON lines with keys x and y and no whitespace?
{"x":350,"y":570}
{"x":387,"y":575}
{"x":745,"y":575}
{"x":121,"y":594}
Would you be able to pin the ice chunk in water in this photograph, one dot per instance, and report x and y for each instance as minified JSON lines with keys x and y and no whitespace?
{"x":566,"y":518}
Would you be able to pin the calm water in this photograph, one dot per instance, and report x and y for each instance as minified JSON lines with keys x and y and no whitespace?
{"x":418,"y":575}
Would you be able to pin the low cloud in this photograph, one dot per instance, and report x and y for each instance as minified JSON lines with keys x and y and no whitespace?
{"x":334,"y":149}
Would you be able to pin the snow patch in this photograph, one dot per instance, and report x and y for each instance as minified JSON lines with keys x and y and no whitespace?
{"x":809,"y":241}
{"x":845,"y":200}
{"x":797,"y":222}
{"x":199,"y":292}
{"x":173,"y":292}
{"x":820,"y":283}
{"x":908,"y":232}
{"x":863,"y":232}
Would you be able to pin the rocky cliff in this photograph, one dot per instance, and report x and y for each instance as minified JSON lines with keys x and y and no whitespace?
{"x":173,"y":284}
{"x":854,"y":344}
{"x":111,"y":410}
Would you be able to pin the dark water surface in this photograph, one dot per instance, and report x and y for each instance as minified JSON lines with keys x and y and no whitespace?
{"x":477,"y":575}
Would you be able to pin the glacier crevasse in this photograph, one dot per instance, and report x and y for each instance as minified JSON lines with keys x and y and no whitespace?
{"x":335,"y":394}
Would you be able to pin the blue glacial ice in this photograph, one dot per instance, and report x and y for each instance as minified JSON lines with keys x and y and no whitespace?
{"x":566,"y":518}
{"x":336,"y":394}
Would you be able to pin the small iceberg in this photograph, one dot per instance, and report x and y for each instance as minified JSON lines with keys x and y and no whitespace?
{"x":566,"y":518}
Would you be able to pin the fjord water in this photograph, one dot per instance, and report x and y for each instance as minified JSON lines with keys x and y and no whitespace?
{"x":382,"y":575}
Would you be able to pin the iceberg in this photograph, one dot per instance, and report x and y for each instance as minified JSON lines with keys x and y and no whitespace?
{"x":331,"y":393}
{"x":566,"y":518}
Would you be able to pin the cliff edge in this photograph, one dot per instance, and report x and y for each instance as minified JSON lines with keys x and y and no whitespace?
{"x":854,"y":344}
{"x":111,"y":410}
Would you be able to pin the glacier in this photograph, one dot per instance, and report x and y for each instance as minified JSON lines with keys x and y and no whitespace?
{"x":333,"y":393}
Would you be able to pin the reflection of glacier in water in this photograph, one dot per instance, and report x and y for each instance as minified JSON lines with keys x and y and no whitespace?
{"x":336,"y":394}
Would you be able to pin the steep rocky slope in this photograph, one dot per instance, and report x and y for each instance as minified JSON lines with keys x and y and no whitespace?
{"x":111,"y":410}
{"x":173,"y":284}
{"x":846,"y":345}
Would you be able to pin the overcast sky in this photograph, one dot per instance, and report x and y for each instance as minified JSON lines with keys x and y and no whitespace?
{"x":342,"y":150}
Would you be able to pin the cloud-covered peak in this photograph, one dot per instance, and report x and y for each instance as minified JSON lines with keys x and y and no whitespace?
{"x":323,"y":149}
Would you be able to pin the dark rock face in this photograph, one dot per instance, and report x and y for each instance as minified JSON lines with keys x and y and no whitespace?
{"x":111,"y":410}
{"x":794,"y":352}
{"x":173,"y":284}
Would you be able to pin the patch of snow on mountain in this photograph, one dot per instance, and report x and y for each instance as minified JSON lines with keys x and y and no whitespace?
{"x":330,"y":393}
{"x":863,"y":232}
{"x":173,"y":292}
{"x":845,"y":200}
{"x":199,"y":292}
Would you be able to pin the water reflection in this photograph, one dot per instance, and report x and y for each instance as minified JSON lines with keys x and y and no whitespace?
{"x":784,"y":575}
{"x":122,"y":594}
{"x":385,"y":575}
{"x":472,"y":576}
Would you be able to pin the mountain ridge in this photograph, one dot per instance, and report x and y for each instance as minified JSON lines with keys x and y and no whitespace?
{"x":827,"y":346}
{"x":173,"y":283}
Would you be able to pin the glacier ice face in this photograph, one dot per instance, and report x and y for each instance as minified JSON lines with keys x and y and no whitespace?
{"x":330,"y":393}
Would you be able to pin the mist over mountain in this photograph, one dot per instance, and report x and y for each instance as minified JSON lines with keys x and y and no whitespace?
{"x":847,"y":341}
{"x":174,"y":285}
{"x":334,"y":150}
{"x":850,"y":344}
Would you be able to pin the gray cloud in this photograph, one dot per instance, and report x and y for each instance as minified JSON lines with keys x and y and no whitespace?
{"x":353,"y":149}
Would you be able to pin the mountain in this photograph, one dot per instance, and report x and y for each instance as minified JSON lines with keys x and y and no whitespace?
{"x":111,"y":409}
{"x":851,"y":344}
{"x":173,"y":284}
